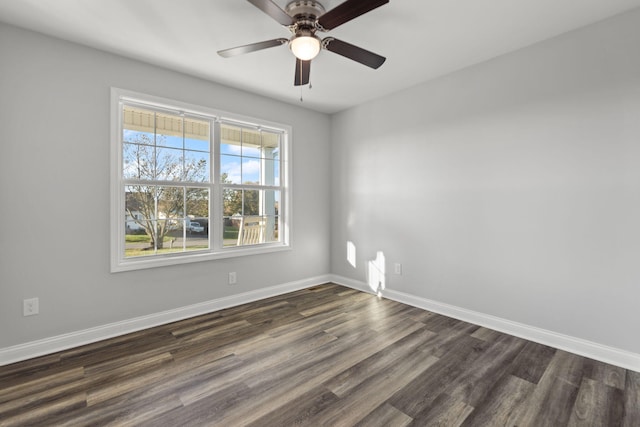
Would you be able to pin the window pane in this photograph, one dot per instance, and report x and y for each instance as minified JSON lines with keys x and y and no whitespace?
{"x":169,"y":165}
{"x":197,"y":230}
{"x":140,"y":202}
{"x":196,"y":145}
{"x":251,"y":143}
{"x":197,"y":202}
{"x":250,"y":171}
{"x":232,"y":202}
{"x":231,"y":224}
{"x":138,"y":137}
{"x":251,"y":202}
{"x":230,"y":169}
{"x":197,"y":240}
{"x":138,"y":125}
{"x":271,"y":172}
{"x":232,"y":149}
{"x":170,"y":141}
{"x":197,"y":134}
{"x":198,"y":214}
{"x":250,"y":150}
{"x":170,"y":204}
{"x":271,"y":229}
{"x":170,"y":216}
{"x":165,"y":146}
{"x":271,"y":143}
{"x":198,"y":152}
{"x":232,"y":211}
{"x":138,"y":161}
{"x":169,"y":125}
{"x":196,"y":166}
{"x":139,"y":242}
{"x":252,"y":230}
{"x":270,"y":202}
{"x":231,"y":139}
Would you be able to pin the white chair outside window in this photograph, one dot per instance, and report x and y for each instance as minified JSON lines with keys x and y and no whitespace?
{"x":252,"y":230}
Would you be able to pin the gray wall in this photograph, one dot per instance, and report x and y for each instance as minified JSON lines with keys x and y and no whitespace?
{"x":511,"y":188}
{"x":54,"y":191}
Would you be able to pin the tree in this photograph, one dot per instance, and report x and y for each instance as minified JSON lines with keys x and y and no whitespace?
{"x":239,"y":201}
{"x":159,"y":209}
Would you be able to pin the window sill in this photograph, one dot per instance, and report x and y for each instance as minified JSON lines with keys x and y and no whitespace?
{"x":132,"y":264}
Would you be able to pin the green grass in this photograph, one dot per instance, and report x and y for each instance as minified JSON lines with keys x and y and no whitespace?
{"x":230,"y":233}
{"x":142,"y":238}
{"x":141,"y":252}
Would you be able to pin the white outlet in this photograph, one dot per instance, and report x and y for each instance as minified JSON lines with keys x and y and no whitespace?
{"x":30,"y":306}
{"x":398,"y":268}
{"x":232,"y":278}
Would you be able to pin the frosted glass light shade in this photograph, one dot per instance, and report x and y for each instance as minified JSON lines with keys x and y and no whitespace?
{"x":305,"y":47}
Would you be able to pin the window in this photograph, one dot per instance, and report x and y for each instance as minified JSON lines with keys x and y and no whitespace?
{"x":190,"y":183}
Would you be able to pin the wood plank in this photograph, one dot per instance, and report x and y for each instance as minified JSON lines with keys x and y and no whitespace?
{"x":444,"y":411}
{"x":428,"y":385}
{"x":39,"y":414}
{"x":503,"y":405}
{"x":605,"y":373}
{"x":597,"y":404}
{"x":122,"y":380}
{"x":488,"y":368}
{"x":385,"y":415}
{"x":299,"y":410}
{"x":631,"y":417}
{"x":202,"y":412}
{"x":486,"y":334}
{"x":121,"y":411}
{"x":532,"y":362}
{"x":553,"y":399}
{"x":29,"y":385}
{"x":343,"y":383}
{"x":375,"y":390}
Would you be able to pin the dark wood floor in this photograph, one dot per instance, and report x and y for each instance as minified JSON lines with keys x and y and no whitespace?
{"x":325,"y":356}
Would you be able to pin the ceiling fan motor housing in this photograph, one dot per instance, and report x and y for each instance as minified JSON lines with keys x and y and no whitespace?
{"x":305,"y":13}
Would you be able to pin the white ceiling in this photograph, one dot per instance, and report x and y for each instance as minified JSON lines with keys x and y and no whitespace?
{"x":422,"y":39}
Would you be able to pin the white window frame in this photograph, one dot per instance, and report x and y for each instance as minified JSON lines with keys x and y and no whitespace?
{"x":216,"y":249}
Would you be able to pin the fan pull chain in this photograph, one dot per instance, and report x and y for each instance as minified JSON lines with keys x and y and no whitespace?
{"x":310,"y":87}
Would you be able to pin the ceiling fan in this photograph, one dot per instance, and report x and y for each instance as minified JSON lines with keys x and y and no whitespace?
{"x":306,"y":17}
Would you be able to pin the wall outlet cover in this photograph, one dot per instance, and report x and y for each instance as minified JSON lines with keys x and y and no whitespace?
{"x":30,"y":306}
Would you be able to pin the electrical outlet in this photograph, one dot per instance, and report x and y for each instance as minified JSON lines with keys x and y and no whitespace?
{"x":398,"y":268}
{"x":30,"y":306}
{"x":232,"y":278}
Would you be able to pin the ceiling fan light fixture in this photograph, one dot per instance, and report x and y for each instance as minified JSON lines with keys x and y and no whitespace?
{"x":305,"y":47}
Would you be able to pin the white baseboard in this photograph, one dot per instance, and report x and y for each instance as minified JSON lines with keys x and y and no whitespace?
{"x":57,"y":343}
{"x":603,"y":353}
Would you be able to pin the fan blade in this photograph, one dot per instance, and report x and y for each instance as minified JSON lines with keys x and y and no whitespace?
{"x":274,"y":11}
{"x":355,"y":53}
{"x":347,"y":11}
{"x":235,"y":51}
{"x":303,"y":70}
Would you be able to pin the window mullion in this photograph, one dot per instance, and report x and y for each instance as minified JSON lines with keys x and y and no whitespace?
{"x":216,"y":202}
